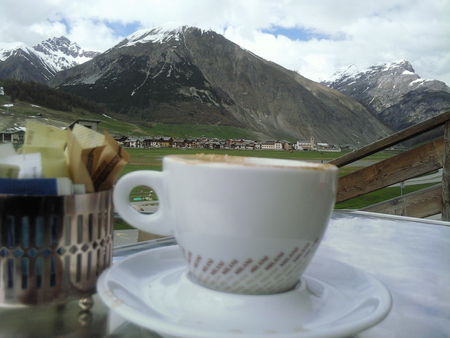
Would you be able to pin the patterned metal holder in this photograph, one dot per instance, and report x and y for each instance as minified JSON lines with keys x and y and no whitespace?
{"x":53,"y":248}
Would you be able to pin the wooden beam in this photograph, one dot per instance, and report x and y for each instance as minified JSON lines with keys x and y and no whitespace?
{"x":446,"y":175}
{"x":410,"y":164}
{"x":423,"y":203}
{"x":393,"y":139}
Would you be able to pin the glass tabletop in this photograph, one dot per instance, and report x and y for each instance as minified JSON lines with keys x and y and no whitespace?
{"x":408,"y":255}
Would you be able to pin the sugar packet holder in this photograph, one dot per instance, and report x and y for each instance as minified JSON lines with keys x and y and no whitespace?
{"x":40,"y":186}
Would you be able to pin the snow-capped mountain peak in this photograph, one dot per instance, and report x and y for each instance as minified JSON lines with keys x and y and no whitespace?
{"x":48,"y":58}
{"x":352,"y":72}
{"x":397,"y":77}
{"x":159,"y":34}
{"x":62,"y":53}
{"x":8,"y":49}
{"x":393,"y":91}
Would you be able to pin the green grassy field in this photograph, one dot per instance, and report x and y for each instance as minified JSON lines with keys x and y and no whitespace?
{"x":151,"y":158}
{"x":379,"y":196}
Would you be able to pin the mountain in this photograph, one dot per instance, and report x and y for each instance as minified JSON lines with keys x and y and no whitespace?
{"x":176,"y":74}
{"x":41,"y":62}
{"x":393,"y":92}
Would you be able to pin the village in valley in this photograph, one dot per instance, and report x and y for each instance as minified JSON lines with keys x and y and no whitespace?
{"x":215,"y":143}
{"x":16,"y":135}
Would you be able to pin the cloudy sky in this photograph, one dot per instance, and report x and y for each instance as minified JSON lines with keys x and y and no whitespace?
{"x":314,"y":38}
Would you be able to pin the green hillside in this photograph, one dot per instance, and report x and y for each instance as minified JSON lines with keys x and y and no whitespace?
{"x":32,"y":108}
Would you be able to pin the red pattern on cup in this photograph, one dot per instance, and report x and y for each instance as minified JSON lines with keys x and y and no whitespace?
{"x":251,"y":275}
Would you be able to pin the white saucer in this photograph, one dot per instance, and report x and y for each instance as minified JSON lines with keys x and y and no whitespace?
{"x":154,"y":290}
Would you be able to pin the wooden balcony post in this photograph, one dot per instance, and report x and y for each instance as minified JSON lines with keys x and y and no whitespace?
{"x":446,"y":175}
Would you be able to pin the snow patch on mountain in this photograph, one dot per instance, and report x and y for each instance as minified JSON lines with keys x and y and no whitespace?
{"x":348,"y":73}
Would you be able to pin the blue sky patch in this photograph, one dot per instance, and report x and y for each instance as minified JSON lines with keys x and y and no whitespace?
{"x":124,"y":30}
{"x":65,"y":23}
{"x":295,"y":33}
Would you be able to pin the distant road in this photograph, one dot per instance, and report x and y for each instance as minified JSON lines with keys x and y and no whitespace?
{"x":432,"y":178}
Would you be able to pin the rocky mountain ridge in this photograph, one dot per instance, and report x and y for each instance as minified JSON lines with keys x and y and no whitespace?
{"x":188,"y":75}
{"x":393,"y":92}
{"x":180,"y":74}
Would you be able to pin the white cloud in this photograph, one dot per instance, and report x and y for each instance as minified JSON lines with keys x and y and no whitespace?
{"x":49,"y":29}
{"x":357,"y":32}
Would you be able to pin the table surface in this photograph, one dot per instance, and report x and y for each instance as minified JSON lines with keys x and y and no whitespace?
{"x":410,"y":256}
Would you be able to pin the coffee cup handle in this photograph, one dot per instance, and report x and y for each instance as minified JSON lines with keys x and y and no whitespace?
{"x":158,"y":222}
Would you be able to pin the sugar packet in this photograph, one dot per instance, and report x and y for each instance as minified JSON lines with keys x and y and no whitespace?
{"x":50,"y":143}
{"x":13,"y":165}
{"x":95,"y":160}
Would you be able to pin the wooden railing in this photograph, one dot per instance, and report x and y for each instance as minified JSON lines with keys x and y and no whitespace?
{"x":418,"y":161}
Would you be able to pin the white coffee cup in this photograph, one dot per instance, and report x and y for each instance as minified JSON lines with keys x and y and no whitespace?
{"x":245,"y":224}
